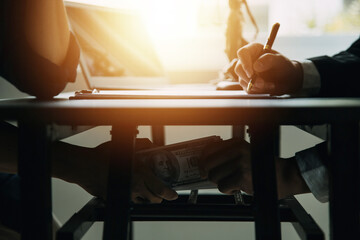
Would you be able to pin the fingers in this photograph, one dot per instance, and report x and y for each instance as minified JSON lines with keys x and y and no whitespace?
{"x":252,"y":63}
{"x":231,"y":184}
{"x":148,"y":188}
{"x":247,"y":55}
{"x":219,"y":153}
{"x":228,"y":165}
{"x":239,"y":70}
{"x":158,"y":188}
{"x":219,"y":158}
{"x":235,"y":182}
{"x":279,"y":74}
{"x":259,"y":85}
{"x":262,"y":86}
{"x":267,"y":62}
{"x":218,"y":146}
{"x":142,"y":195}
{"x":222,"y":171}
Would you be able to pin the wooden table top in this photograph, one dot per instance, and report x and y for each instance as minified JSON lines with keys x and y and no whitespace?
{"x":61,"y":110}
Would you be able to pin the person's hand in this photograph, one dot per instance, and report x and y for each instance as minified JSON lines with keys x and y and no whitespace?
{"x":88,"y":167}
{"x":146,"y":186}
{"x":275,"y":73}
{"x":228,"y":165}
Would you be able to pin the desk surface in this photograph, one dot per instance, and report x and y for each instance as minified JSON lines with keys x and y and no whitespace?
{"x":186,"y":112}
{"x":183,"y":111}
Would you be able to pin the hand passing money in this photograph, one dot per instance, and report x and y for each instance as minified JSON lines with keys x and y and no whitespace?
{"x":177,"y":164}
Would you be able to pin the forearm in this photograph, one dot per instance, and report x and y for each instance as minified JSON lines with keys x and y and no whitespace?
{"x":65,"y":158}
{"x":63,"y":164}
{"x":304,"y":173}
{"x":46,"y":29}
{"x":76,"y":164}
{"x":289,"y":179}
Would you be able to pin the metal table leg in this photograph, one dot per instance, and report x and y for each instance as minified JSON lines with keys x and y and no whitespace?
{"x":119,"y":183}
{"x":35,"y":180}
{"x":305,"y":225}
{"x":267,"y":220}
{"x":238,"y":131}
{"x":344,"y":181}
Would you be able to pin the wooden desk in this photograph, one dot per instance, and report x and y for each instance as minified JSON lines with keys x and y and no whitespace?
{"x":263,"y":116}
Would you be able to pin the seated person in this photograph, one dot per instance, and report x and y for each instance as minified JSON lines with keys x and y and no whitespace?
{"x":228,"y":164}
{"x":39,"y":56}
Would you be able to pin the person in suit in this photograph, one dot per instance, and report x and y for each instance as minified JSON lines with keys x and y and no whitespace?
{"x":319,"y":76}
{"x":39,"y":56}
{"x":228,"y":164}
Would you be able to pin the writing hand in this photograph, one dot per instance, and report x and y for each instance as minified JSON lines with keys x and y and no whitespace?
{"x":275,"y":73}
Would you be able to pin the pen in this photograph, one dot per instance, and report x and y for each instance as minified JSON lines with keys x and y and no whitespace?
{"x":266,"y":49}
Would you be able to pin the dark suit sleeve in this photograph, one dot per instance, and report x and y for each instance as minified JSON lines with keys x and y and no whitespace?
{"x":24,"y":68}
{"x":340,"y":74}
{"x":340,"y":77}
{"x":314,"y":170}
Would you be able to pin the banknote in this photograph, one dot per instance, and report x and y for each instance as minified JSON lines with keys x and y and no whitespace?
{"x":177,"y":164}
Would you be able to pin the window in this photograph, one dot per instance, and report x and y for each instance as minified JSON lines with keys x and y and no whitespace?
{"x":190,"y":34}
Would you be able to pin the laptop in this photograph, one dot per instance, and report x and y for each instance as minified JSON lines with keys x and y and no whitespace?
{"x":118,"y":57}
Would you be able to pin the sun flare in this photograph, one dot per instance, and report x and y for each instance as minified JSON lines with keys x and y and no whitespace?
{"x":168,"y":19}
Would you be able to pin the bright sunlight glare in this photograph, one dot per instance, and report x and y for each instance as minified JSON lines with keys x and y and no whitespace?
{"x":169,"y":19}
{"x":163,"y":18}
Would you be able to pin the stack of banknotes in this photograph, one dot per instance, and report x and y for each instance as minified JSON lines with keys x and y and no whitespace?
{"x":177,"y":164}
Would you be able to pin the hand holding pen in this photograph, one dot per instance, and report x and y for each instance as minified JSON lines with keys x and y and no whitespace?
{"x":266,"y":49}
{"x":263,"y":70}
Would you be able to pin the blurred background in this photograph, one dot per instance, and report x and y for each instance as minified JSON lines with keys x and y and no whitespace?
{"x":189,"y":36}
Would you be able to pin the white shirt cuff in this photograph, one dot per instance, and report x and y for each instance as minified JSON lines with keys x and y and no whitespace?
{"x":311,"y":81}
